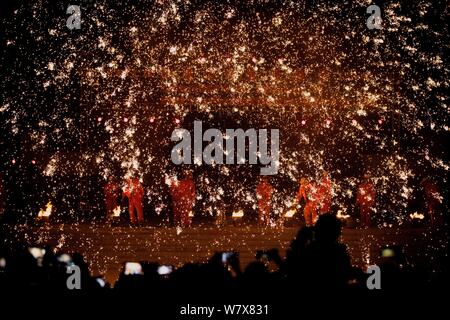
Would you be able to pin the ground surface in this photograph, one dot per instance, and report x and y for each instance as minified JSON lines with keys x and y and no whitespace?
{"x":106,"y":247}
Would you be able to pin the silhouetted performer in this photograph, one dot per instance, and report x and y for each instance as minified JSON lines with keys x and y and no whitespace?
{"x":135,"y":193}
{"x":325,"y":193}
{"x":432,"y":198}
{"x":2,"y":195}
{"x":111,"y":192}
{"x":264,"y":192}
{"x":183,"y":197}
{"x":308,"y":192}
{"x":365,"y":199}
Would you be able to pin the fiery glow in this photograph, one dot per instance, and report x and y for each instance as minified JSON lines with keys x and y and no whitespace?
{"x":342,"y":215}
{"x":290,"y":213}
{"x":47,"y":212}
{"x":417,"y":215}
{"x":237,"y":214}
{"x":116,"y":212}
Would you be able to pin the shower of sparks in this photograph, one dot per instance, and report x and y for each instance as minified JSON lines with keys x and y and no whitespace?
{"x":80,"y":105}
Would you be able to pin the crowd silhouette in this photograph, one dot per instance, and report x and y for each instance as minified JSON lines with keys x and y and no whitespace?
{"x":315,"y":260}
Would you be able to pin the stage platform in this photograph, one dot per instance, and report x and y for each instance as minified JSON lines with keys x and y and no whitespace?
{"x":106,"y":247}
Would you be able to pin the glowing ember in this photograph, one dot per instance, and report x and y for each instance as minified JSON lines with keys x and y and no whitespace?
{"x":341,"y":215}
{"x":290,"y":213}
{"x":237,"y":214}
{"x":116,"y":212}
{"x":417,"y":216}
{"x":47,"y":212}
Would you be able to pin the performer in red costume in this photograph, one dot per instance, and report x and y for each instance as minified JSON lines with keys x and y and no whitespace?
{"x":135,"y":193}
{"x":325,"y":193}
{"x":264,"y":192}
{"x":365,"y":199}
{"x":308,"y":192}
{"x":183,"y":198}
{"x":111,"y":192}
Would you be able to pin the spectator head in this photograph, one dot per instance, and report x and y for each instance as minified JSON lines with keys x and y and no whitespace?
{"x":328,"y":228}
{"x":256,"y":270}
{"x":303,"y":238}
